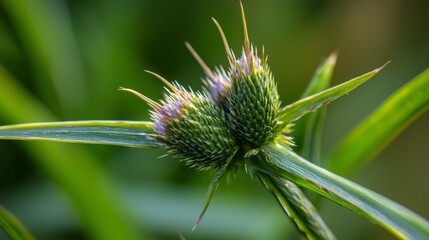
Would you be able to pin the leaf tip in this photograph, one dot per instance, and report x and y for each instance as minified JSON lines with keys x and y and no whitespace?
{"x":332,"y":59}
{"x":382,"y":67}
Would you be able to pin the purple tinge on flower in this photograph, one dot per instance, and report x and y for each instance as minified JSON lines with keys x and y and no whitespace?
{"x":248,"y":63}
{"x":218,"y":85}
{"x":171,"y":110}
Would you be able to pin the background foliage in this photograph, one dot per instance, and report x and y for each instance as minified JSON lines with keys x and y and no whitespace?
{"x":71,"y":56}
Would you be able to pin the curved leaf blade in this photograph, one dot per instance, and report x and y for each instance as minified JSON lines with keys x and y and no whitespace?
{"x":294,"y":111}
{"x":296,"y":205}
{"x":308,"y":129}
{"x":382,"y":126}
{"x":393,"y":217}
{"x":12,"y":226}
{"x":121,"y":133}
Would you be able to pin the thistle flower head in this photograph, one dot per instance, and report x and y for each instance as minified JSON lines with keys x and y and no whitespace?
{"x":192,"y":126}
{"x":247,"y":92}
{"x":253,"y":102}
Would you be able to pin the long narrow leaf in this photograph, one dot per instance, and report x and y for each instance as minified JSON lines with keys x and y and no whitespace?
{"x":121,"y":133}
{"x":13,"y":227}
{"x":308,"y":130}
{"x":301,"y":107}
{"x":298,"y":207}
{"x":382,"y":126}
{"x":75,"y":170}
{"x":393,"y":217}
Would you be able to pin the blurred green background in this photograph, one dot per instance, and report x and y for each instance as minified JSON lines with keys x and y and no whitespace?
{"x":70,"y":57}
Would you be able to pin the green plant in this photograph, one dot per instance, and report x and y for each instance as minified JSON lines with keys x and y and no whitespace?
{"x":231,"y":136}
{"x":12,"y":226}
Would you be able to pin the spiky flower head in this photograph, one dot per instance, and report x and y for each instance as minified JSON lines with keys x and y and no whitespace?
{"x":192,"y":126}
{"x":253,"y":102}
{"x":247,"y":93}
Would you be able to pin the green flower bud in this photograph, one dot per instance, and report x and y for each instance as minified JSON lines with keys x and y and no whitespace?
{"x":253,"y":102}
{"x":199,"y":133}
{"x":192,"y":126}
{"x":247,"y":93}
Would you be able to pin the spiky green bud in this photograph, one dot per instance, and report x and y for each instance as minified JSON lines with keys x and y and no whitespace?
{"x":199,"y":133}
{"x":192,"y":127}
{"x":247,"y":93}
{"x":253,"y":102}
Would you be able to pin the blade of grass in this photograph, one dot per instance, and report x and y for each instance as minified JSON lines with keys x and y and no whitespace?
{"x":398,"y":220}
{"x":297,"y":207}
{"x":120,"y":133}
{"x":301,"y":107}
{"x":382,"y":126}
{"x":308,"y":130}
{"x":71,"y":167}
{"x":13,"y":227}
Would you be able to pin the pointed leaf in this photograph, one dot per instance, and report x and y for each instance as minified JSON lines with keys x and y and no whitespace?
{"x":382,"y":126}
{"x":299,"y":209}
{"x":308,"y":130}
{"x":301,"y":107}
{"x":72,"y":168}
{"x":121,"y":133}
{"x":393,"y":217}
{"x":322,"y":77}
{"x":220,"y":173}
{"x":12,"y":226}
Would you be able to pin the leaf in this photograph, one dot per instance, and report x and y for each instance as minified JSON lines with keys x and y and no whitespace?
{"x":12,"y":226}
{"x":401,"y":222}
{"x":294,"y":111}
{"x":120,"y":133}
{"x":391,"y":118}
{"x":296,"y":205}
{"x":308,"y":129}
{"x":220,"y":173}
{"x":322,"y":76}
{"x":72,"y":168}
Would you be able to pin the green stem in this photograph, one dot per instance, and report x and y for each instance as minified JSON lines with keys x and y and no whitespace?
{"x":393,"y":217}
{"x":299,"y":209}
{"x":13,"y":227}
